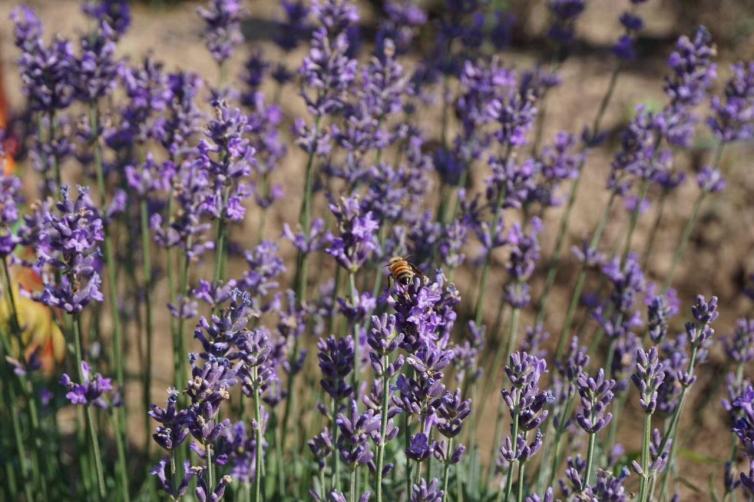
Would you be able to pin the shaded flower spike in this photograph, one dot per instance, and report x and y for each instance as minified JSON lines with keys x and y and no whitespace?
{"x":660,"y":309}
{"x":596,"y":395}
{"x":222,"y":27}
{"x":92,"y":390}
{"x":739,"y":346}
{"x":336,"y":363}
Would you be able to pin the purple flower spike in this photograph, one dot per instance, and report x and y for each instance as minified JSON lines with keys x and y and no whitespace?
{"x":710,"y":180}
{"x":46,"y":71}
{"x":451,"y":412}
{"x":740,"y":345}
{"x":693,"y":71}
{"x":162,"y":472}
{"x":92,"y":390}
{"x":650,"y":373}
{"x":67,"y":236}
{"x":733,"y":118}
{"x":427,"y":492}
{"x":356,"y":429}
{"x":222,"y":30}
{"x":596,"y":395}
{"x":357,"y":238}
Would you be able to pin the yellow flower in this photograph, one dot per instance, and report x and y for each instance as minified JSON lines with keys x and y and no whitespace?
{"x":39,"y":330}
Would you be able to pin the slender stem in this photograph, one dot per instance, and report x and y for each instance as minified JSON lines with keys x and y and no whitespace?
{"x":655,"y":228}
{"x":633,"y":220}
{"x":521,"y":469}
{"x":353,"y":492}
{"x":446,"y":473}
{"x":122,"y":465}
{"x":210,"y":465}
{"x":690,"y":224}
{"x":566,"y":216}
{"x":147,"y":281}
{"x":335,"y":461}
{"x":90,"y":422}
{"x":556,"y":457}
{"x":221,"y":238}
{"x":643,"y":491}
{"x":576,"y":295}
{"x":258,"y":450}
{"x":590,"y":458}
{"x":500,"y":357}
{"x":356,"y":334}
{"x":672,"y":429}
{"x":406,"y":440}
{"x":511,"y":467}
{"x":383,"y":426}
{"x":112,"y":289}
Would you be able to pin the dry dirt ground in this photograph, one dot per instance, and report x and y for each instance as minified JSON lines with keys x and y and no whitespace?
{"x":720,"y":254}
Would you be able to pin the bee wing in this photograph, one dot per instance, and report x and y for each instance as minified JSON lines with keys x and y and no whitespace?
{"x":418,"y":272}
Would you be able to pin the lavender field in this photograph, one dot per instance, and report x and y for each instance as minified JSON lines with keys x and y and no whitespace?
{"x":448,"y":250}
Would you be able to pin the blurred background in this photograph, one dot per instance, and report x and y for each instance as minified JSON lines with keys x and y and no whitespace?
{"x":720,"y":257}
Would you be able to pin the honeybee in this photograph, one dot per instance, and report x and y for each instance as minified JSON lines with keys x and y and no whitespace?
{"x":403,"y":271}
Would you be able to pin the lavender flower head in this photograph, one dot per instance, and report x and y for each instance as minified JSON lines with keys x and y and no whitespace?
{"x":427,"y":492}
{"x":96,"y":69}
{"x":46,"y":71}
{"x":739,"y":346}
{"x":92,"y":390}
{"x":649,"y":375}
{"x":336,"y":363}
{"x":116,"y":13}
{"x":67,"y":237}
{"x":227,"y":159}
{"x":596,"y":395}
{"x":523,"y":259}
{"x":222,"y":28}
{"x":526,"y":403}
{"x":733,"y":114}
{"x":328,"y":71}
{"x":693,"y":71}
{"x":357,"y":238}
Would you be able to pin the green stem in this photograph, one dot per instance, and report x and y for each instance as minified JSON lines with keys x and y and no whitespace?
{"x":500,"y":357}
{"x":576,"y":295}
{"x":112,"y":289}
{"x":210,"y":466}
{"x":565,"y":219}
{"x":590,"y":458}
{"x":633,"y":220}
{"x":90,"y":422}
{"x":258,"y":451}
{"x":647,"y":438}
{"x":221,"y":238}
{"x":690,"y":224}
{"x":511,"y":467}
{"x":521,"y":469}
{"x":122,"y":465}
{"x":356,"y":331}
{"x":147,"y":279}
{"x":335,"y":461}
{"x":556,"y":457}
{"x":446,"y":474}
{"x":655,"y":228}
{"x":383,"y":427}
